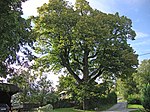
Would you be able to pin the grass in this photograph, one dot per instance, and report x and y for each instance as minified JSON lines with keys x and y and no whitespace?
{"x":69,"y":110}
{"x":136,"y":111}
{"x":135,"y":106}
{"x":139,"y":108}
{"x":103,"y":107}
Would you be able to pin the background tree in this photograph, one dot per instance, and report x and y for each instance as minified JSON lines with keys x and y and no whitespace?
{"x":127,"y":89}
{"x":142,"y":79}
{"x":135,"y":88}
{"x":85,"y":41}
{"x":44,"y":90}
{"x":15,"y":33}
{"x":25,"y":82}
{"x":35,"y":88}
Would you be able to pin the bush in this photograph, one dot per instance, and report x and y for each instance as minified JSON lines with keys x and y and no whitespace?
{"x":113,"y":97}
{"x":64,"y":103}
{"x":146,"y":97}
{"x":134,"y":99}
{"x":96,"y":102}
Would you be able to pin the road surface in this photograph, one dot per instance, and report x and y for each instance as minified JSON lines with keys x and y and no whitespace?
{"x":119,"y":107}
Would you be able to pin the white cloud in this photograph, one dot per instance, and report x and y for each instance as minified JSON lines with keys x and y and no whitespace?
{"x":30,"y":7}
{"x":141,"y":35}
{"x":104,"y":5}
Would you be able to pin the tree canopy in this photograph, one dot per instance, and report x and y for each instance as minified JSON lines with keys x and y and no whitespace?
{"x":15,"y":33}
{"x":85,"y":41}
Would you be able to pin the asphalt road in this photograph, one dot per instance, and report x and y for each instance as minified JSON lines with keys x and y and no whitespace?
{"x":119,"y":107}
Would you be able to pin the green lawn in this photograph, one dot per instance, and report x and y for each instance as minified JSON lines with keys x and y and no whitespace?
{"x":136,"y":111}
{"x":135,"y":106}
{"x":130,"y":106}
{"x":104,"y":107}
{"x":69,"y":110}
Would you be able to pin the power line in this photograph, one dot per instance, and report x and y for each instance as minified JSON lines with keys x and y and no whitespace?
{"x":144,"y":54}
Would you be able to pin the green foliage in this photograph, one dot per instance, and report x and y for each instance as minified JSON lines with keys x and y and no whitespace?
{"x":85,"y":41}
{"x":35,"y":89}
{"x":64,"y":103}
{"x":66,"y":83}
{"x":99,"y":101}
{"x":146,"y":97}
{"x":127,"y":88}
{"x":134,"y":99}
{"x":132,"y":88}
{"x":43,"y":91}
{"x":15,"y":33}
{"x":24,"y":80}
{"x":94,"y":94}
{"x":142,"y":77}
{"x":113,"y":97}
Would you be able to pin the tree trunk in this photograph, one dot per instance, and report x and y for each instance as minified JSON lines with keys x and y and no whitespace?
{"x":85,"y":104}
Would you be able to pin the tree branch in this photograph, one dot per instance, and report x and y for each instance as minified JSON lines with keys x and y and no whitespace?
{"x":97,"y":75}
{"x":65,"y":63}
{"x":77,"y":60}
{"x":93,"y":55}
{"x":94,"y":72}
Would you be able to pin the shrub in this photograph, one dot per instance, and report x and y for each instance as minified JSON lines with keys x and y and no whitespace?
{"x":113,"y":97}
{"x":146,"y":97}
{"x":64,"y":103}
{"x":134,"y":99}
{"x":96,"y":102}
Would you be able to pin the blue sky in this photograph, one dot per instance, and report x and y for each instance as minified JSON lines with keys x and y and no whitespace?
{"x":137,"y":10}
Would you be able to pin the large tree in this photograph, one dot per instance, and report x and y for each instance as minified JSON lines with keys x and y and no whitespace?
{"x":14,"y":33}
{"x":85,"y":41}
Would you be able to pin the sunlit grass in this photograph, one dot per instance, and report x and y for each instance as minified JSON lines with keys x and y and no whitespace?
{"x":135,"y":106}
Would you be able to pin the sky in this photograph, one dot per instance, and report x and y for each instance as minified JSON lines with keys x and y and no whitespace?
{"x":137,"y":10}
